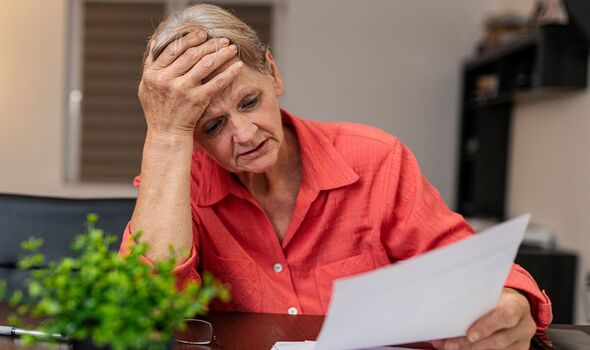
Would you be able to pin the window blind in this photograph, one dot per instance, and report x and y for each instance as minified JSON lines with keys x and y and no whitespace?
{"x":113,"y":126}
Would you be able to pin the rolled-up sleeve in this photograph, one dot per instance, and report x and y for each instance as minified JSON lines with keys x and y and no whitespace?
{"x":522,"y":281}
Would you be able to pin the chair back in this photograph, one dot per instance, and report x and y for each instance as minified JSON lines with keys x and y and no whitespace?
{"x":57,"y":221}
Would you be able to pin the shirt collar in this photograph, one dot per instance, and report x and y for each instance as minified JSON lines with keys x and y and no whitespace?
{"x":324,"y":168}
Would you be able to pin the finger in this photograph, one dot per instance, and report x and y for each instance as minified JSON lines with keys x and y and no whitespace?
{"x":194,"y":54}
{"x":503,"y":339}
{"x":178,"y":47}
{"x":497,"y":319}
{"x":222,"y":80}
{"x":438,"y":344}
{"x":150,"y":56}
{"x":210,"y":63}
{"x":521,"y":345}
{"x":460,"y":343}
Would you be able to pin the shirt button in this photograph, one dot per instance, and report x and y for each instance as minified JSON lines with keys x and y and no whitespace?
{"x":292,"y":311}
{"x":277,"y":267}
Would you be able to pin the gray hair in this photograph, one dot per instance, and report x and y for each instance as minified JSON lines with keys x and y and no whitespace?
{"x":218,"y":23}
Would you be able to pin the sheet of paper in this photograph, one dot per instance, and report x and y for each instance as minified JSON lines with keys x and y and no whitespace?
{"x":436,"y":295}
{"x":309,"y":345}
{"x":294,"y":345}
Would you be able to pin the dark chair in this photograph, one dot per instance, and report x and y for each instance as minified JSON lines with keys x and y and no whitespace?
{"x":57,"y":221}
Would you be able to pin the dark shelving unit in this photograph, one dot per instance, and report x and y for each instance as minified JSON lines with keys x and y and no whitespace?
{"x":555,"y":271}
{"x":552,"y":59}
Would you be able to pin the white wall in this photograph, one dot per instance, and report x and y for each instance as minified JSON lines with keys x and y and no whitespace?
{"x":32,"y":94}
{"x":393,"y":64}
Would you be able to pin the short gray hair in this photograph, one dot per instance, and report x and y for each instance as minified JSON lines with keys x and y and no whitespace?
{"x":218,"y":23}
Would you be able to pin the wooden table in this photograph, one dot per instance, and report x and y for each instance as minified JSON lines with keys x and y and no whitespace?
{"x":243,"y":331}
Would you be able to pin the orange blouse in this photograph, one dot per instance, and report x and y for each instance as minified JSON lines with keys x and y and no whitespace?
{"x":363,"y":203}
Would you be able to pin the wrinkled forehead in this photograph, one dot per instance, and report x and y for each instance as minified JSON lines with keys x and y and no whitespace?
{"x":246,"y":83}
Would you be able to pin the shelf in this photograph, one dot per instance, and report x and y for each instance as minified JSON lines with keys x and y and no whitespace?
{"x":533,"y":66}
{"x":523,"y":43}
{"x":474,"y":104}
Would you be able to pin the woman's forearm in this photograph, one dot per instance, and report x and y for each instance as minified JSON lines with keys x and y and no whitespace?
{"x":174,"y":98}
{"x":163,"y":209}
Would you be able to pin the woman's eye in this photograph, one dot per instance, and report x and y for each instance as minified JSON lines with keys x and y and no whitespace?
{"x":214,"y":126}
{"x":251,"y":103}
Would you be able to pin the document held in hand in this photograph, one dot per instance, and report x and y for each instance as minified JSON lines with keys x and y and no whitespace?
{"x":436,"y":295}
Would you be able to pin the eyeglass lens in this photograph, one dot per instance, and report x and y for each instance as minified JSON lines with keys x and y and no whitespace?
{"x":196,"y":332}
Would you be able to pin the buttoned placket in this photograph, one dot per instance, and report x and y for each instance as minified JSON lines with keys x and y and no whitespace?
{"x":280,"y":265}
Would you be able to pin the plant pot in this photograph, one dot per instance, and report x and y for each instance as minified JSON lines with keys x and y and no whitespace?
{"x":89,"y":345}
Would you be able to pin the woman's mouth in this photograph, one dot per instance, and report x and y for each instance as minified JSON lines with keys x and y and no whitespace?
{"x":255,"y":152}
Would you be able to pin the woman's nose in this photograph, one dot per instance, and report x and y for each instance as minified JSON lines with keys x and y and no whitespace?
{"x":243,"y":130}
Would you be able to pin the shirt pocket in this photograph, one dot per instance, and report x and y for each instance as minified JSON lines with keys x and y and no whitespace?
{"x":244,"y":280}
{"x":325,"y":275}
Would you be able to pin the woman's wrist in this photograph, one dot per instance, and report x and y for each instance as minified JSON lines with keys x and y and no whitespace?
{"x":168,"y":142}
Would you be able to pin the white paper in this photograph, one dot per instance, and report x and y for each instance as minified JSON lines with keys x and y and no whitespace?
{"x":309,"y":345}
{"x":294,"y":345}
{"x":436,"y":295}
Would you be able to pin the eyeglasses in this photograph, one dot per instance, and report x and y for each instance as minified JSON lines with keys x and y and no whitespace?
{"x":197,"y":332}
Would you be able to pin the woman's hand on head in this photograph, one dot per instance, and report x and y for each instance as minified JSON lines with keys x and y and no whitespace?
{"x":171,"y":91}
{"x":508,"y":326}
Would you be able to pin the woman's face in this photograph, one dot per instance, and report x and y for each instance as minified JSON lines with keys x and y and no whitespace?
{"x":241,"y":128}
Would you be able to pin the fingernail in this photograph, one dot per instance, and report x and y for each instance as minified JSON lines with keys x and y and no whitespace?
{"x":233,"y":47}
{"x":473,"y":337}
{"x":203,"y":35}
{"x":224,"y":41}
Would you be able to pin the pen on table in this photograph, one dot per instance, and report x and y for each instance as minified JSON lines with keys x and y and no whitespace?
{"x":17,"y":332}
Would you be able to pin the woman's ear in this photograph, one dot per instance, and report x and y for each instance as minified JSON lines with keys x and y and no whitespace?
{"x":274,"y":73}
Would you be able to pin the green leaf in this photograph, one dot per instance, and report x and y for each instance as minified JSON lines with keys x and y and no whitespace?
{"x":32,"y":244}
{"x":35,"y":288}
{"x":99,"y":294}
{"x":16,"y":297}
{"x":2,"y":289}
{"x":14,"y":321}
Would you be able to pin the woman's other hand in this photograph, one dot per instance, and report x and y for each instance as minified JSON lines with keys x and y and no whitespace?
{"x":171,"y":91}
{"x":508,"y":326}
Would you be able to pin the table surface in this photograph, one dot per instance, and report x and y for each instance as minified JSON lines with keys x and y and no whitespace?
{"x":241,"y":331}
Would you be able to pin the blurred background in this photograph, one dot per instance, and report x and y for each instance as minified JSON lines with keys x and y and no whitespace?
{"x":490,"y":95}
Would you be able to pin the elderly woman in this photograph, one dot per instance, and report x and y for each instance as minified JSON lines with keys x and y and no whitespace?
{"x":277,"y":206}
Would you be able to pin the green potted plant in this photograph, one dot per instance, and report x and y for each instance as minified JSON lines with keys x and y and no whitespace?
{"x":110,"y":301}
